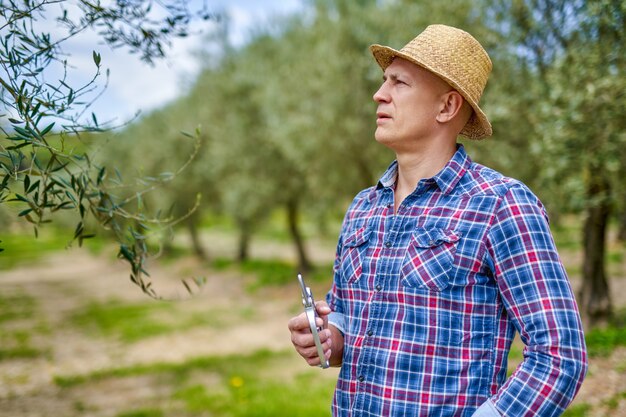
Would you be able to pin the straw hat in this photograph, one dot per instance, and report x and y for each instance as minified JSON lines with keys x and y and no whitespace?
{"x":456,"y":57}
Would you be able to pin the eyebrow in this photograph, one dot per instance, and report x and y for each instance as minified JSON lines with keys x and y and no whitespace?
{"x":393,"y":76}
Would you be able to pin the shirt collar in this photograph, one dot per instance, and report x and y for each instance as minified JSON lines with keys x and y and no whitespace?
{"x":446,"y":179}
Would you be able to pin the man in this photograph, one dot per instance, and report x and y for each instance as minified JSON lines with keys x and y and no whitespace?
{"x":443,"y":261}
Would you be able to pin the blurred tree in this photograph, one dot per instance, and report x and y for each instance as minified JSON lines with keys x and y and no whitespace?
{"x":248,"y":166}
{"x":573,"y":52}
{"x":318,"y":94}
{"x":44,"y":166}
{"x":160,"y":132}
{"x":292,"y":114}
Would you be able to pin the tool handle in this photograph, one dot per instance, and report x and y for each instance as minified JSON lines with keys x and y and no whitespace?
{"x":311,"y":313}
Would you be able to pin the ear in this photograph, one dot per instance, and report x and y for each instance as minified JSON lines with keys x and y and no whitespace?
{"x":450,"y":107}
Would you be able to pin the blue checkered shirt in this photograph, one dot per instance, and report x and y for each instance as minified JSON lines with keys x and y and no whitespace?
{"x":429,"y":300}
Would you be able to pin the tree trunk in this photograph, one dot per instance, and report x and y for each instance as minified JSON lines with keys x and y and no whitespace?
{"x":594,"y":294}
{"x":196,"y":243}
{"x":292,"y":218}
{"x":243,"y":247}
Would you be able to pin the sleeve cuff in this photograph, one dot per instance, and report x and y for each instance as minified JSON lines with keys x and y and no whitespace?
{"x":486,"y":410}
{"x":338,"y":320}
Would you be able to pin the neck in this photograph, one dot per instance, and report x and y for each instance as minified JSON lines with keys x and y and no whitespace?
{"x":420,"y":164}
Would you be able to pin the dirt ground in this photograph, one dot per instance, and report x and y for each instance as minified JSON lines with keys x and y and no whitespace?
{"x":68,"y":280}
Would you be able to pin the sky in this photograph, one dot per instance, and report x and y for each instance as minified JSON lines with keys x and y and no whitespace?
{"x":134,"y":86}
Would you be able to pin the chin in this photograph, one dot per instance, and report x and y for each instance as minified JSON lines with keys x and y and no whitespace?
{"x":381,"y":137}
{"x":386,"y":141}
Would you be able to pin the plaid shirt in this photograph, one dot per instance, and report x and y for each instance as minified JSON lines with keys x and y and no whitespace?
{"x":429,"y":301}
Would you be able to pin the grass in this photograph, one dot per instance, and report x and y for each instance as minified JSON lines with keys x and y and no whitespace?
{"x":614,"y":401}
{"x":26,"y":248}
{"x":16,"y":307}
{"x":272,"y":272}
{"x":274,"y":226}
{"x":244,"y":385}
{"x":253,"y":397}
{"x":578,"y":410}
{"x":131,"y":322}
{"x":127,"y":322}
{"x":224,"y":366}
{"x":602,"y":341}
{"x":144,"y":412}
{"x":16,"y":311}
{"x":516,"y":356}
{"x":568,"y":233}
{"x":268,"y":272}
{"x":16,"y":344}
{"x":615,"y":256}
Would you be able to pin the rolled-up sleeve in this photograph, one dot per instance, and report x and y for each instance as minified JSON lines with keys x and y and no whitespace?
{"x":539,"y":300}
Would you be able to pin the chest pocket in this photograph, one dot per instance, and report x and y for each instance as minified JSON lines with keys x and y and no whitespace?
{"x":429,"y":259}
{"x":353,"y":254}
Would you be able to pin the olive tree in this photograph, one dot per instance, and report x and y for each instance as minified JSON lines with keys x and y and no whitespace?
{"x":571,"y":56}
{"x":45,"y":164}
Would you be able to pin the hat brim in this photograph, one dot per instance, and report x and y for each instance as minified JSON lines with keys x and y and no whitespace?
{"x":477,"y":127}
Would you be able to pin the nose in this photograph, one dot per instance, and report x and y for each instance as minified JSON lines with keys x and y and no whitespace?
{"x":382,"y":95}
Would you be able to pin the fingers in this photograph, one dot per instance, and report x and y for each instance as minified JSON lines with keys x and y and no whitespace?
{"x":305,"y":346}
{"x":297,"y":323}
{"x":322,"y":308}
{"x":303,"y":341}
{"x":301,"y":322}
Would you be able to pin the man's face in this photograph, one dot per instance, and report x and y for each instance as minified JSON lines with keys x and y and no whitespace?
{"x":408,"y":103}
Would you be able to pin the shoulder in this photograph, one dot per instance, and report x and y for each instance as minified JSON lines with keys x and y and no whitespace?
{"x":480,"y":179}
{"x":513,"y":196}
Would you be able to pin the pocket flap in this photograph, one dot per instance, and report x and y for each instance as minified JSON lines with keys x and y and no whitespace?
{"x":357,"y":238}
{"x":429,"y":238}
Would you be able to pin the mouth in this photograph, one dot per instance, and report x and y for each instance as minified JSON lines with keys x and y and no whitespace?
{"x":382,"y":116}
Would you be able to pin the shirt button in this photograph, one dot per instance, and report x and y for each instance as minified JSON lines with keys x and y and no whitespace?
{"x":387,"y":244}
{"x":369,"y":333}
{"x":379,"y":287}
{"x":361,"y":378}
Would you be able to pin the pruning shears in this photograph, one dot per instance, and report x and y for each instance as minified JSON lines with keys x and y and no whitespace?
{"x":309,"y":309}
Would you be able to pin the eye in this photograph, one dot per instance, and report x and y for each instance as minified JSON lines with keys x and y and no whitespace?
{"x":399,"y":81}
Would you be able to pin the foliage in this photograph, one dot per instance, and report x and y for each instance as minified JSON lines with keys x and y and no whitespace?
{"x":285,"y":122}
{"x":566,"y":67}
{"x":289,"y":125}
{"x":46,"y":165}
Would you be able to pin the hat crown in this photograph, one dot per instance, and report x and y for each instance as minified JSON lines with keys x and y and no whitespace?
{"x":455,"y":56}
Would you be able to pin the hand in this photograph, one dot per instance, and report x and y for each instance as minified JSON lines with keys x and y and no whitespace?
{"x":302,"y":338}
